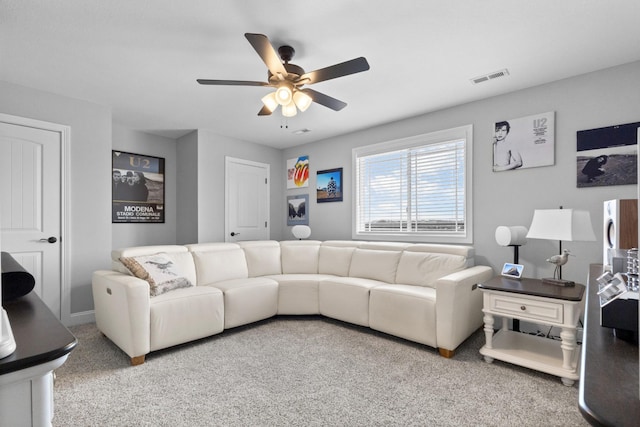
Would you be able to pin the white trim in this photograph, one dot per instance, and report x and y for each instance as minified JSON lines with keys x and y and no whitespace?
{"x":461,"y":132}
{"x":65,"y":229}
{"x":266,"y":166}
{"x":81,"y":318}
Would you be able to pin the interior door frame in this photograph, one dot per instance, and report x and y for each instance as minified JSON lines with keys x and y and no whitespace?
{"x":227,"y":160}
{"x":65,"y":230}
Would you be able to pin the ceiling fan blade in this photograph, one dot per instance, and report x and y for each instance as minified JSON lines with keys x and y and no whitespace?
{"x":263,"y":46}
{"x":326,"y":100}
{"x":343,"y":69}
{"x":231,"y":82}
{"x":264,"y":111}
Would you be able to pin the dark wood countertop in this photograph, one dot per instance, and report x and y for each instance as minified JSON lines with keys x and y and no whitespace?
{"x":609,"y":374}
{"x":535,"y":287}
{"x":39,"y":335}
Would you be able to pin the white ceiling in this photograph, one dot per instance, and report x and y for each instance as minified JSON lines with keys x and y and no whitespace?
{"x":141,"y":58}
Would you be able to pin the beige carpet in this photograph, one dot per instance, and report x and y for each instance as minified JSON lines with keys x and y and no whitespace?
{"x":306,"y":371}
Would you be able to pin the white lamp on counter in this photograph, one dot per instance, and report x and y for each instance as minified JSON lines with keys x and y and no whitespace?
{"x":561,"y":224}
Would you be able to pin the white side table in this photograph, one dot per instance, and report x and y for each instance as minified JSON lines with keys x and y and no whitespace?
{"x":537,"y":302}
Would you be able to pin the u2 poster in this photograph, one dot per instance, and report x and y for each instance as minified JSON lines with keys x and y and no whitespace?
{"x":137,"y":188}
{"x":525,"y":142}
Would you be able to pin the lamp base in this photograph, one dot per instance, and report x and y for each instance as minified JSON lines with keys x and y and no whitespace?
{"x":558,"y":282}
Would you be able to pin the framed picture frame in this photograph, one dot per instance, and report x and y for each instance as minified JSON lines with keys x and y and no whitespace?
{"x":525,"y":142}
{"x":513,"y":271}
{"x":137,"y":188}
{"x":329,"y":185}
{"x":298,"y":209}
{"x":298,"y":172}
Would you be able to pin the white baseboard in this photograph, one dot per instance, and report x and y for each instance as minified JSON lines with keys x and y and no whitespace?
{"x":81,"y":318}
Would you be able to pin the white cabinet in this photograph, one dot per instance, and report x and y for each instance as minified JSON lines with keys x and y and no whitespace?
{"x":536,"y":302}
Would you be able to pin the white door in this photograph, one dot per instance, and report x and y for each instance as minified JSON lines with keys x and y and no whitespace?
{"x":246,"y":200}
{"x":30,"y":203}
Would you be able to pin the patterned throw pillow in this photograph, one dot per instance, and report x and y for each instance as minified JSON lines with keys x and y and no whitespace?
{"x":159,"y":271}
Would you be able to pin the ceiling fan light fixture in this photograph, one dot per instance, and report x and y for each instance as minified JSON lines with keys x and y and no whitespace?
{"x":270,"y":101}
{"x":289,"y":110}
{"x":302,"y":100}
{"x":284,"y":95}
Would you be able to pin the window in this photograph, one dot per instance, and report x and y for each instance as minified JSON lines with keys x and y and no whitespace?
{"x":415,"y":189}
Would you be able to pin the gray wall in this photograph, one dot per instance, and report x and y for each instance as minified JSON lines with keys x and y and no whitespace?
{"x":89,"y":237}
{"x":210,"y":160}
{"x":593,"y":100}
{"x":187,"y":184}
{"x":125,"y":235}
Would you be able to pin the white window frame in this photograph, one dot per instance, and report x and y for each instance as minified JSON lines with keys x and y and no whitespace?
{"x":460,"y":133}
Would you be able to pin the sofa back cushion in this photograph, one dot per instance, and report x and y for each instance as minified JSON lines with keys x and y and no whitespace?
{"x":221,"y":263}
{"x":263,"y":257}
{"x":425,"y":268}
{"x":374,"y":264}
{"x":335,"y":257}
{"x":299,"y":256}
{"x":467,"y":252}
{"x":178,"y":254}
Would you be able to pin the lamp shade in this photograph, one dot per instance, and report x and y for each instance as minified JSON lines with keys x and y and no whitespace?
{"x":302,"y":100}
{"x":284,"y":95}
{"x":270,"y":101}
{"x":289,"y":110}
{"x":561,"y":224}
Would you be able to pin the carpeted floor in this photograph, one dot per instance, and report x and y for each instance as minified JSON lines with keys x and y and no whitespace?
{"x":306,"y":371}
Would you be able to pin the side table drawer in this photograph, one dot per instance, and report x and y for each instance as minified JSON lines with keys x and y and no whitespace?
{"x":529,"y":308}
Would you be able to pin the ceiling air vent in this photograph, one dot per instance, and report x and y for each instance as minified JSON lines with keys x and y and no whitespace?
{"x":301,"y":131}
{"x":490,"y":76}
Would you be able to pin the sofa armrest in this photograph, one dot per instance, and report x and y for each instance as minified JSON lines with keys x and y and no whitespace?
{"x":459,"y":305}
{"x":122,"y":309}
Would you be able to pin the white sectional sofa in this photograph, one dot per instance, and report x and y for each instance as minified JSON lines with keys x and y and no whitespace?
{"x":425,"y":293}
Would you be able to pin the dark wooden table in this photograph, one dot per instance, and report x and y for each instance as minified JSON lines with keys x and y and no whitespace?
{"x":609,"y":375}
{"x":39,"y":335}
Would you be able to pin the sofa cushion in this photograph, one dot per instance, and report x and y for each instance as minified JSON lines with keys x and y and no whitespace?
{"x":221,"y":264}
{"x":263,"y":257}
{"x":298,"y":293}
{"x":424,"y":268}
{"x":159,"y":271}
{"x":405,"y":311}
{"x":374,"y":264}
{"x":248,"y":300}
{"x":335,"y":260}
{"x":185,"y":315}
{"x":346,"y":298}
{"x":299,"y":256}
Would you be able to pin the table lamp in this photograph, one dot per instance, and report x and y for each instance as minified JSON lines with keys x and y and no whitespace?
{"x":301,"y":231}
{"x":561,"y":224}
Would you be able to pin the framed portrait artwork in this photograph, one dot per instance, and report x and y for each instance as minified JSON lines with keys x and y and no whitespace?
{"x":525,"y":142}
{"x":329,"y":185}
{"x":137,"y":188}
{"x":298,"y":172}
{"x":298,"y":209}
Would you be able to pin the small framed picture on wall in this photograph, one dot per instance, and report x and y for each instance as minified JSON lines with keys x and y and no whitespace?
{"x":329,"y":185}
{"x":298,"y":208}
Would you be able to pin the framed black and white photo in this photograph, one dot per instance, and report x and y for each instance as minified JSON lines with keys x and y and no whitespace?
{"x":298,"y":209}
{"x":329,"y":185}
{"x":137,"y":188}
{"x":525,"y":142}
{"x":607,"y":156}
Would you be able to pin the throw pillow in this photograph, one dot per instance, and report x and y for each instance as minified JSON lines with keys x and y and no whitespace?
{"x":158,"y":270}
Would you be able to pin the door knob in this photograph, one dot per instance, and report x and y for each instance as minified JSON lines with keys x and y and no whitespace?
{"x":233,"y":233}
{"x":50,"y":240}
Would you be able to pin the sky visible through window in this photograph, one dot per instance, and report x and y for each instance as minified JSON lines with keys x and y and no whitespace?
{"x":415,"y":189}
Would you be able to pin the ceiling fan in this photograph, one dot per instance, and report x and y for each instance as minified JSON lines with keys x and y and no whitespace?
{"x":289,"y":79}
